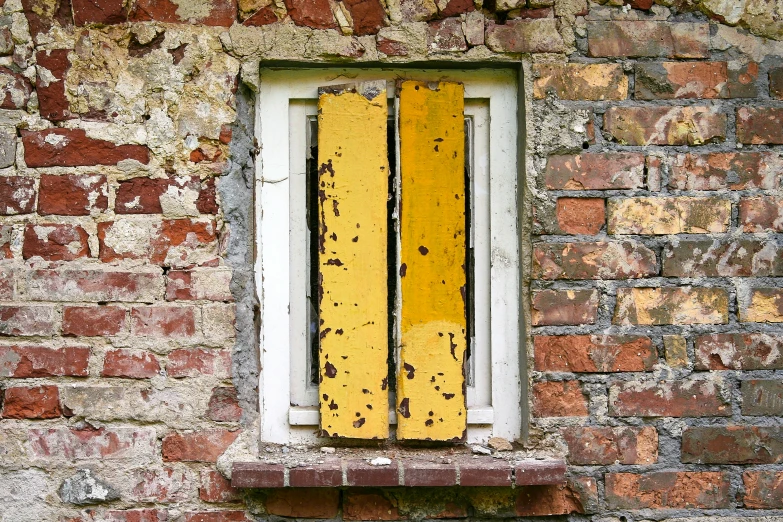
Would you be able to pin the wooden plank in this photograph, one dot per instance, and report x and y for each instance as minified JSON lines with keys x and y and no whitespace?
{"x":430,"y":380}
{"x":353,"y":187}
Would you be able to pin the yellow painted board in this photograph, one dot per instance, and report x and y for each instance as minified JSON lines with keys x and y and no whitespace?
{"x":353,"y":186}
{"x":430,"y":380}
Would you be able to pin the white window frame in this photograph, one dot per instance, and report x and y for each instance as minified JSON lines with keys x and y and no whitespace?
{"x":288,"y":403}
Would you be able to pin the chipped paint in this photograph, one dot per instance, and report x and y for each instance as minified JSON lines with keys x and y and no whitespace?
{"x":353,"y":186}
{"x":430,"y":382}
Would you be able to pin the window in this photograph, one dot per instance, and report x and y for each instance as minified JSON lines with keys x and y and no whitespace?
{"x":383,"y":134}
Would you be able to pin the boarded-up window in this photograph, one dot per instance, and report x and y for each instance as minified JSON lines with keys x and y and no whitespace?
{"x":392,"y":296}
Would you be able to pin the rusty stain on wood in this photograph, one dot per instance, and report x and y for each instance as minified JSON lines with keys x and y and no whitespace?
{"x":353,"y":186}
{"x":430,"y":382}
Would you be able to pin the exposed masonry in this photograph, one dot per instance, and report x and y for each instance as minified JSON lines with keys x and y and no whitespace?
{"x":129,"y":356}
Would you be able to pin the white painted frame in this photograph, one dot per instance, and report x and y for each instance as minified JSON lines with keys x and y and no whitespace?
{"x":288,"y":405}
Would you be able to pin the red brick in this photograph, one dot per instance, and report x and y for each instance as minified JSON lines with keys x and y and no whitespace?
{"x":216,"y":488}
{"x":580,"y":81}
{"x":72,"y":148}
{"x":94,"y":285}
{"x":94,"y":321}
{"x":559,"y":399}
{"x":671,"y":305}
{"x":207,"y":198}
{"x":39,"y":361}
{"x":7,"y":274}
{"x":761,"y":214}
{"x":173,"y":242}
{"x":364,"y":505}
{"x":360,"y":473}
{"x":216,"y":516}
{"x":204,"y":284}
{"x":578,"y":497}
{"x":721,"y":258}
{"x":485,"y":472}
{"x":367,"y":16}
{"x":446,"y":36}
{"x":763,"y":489}
{"x":197,"y":362}
{"x":103,"y":12}
{"x":327,"y":475}
{"x":263,"y":16}
{"x":224,"y":405}
{"x":417,"y":474}
{"x":760,"y":125}
{"x":739,"y":351}
{"x":726,"y":170}
{"x":200,"y":446}
{"x":743,"y":80}
{"x":39,"y":402}
{"x":595,"y":171}
{"x":681,"y":398}
{"x":564,"y":307}
{"x":55,"y":242}
{"x":15,"y":89}
{"x":673,"y":80}
{"x":28,"y":320}
{"x":164,"y":484}
{"x":533,"y":472}
{"x":691,"y":125}
{"x":609,"y":260}
{"x":765,"y":305}
{"x":42,"y":16}
{"x":666,"y":215}
{"x":93,"y":443}
{"x":762,"y":397}
{"x":303,"y":502}
{"x":311,"y":13}
{"x":732,"y":445}
{"x":257,"y":475}
{"x":17,"y":195}
{"x":163,"y":321}
{"x":391,"y":47}
{"x":776,"y":83}
{"x":668,"y":490}
{"x":589,"y":446}
{"x":524,"y":36}
{"x":648,"y":39}
{"x":50,"y":86}
{"x":580,"y":215}
{"x":594,"y":353}
{"x":72,"y":195}
{"x":137,"y":515}
{"x":221,"y":13}
{"x":143,"y":195}
{"x":130,"y":364}
{"x":6,"y":237}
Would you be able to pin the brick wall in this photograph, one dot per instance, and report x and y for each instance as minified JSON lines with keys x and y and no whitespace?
{"x":127,"y":363}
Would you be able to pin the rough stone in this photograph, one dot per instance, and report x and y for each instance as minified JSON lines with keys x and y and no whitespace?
{"x":83,"y":488}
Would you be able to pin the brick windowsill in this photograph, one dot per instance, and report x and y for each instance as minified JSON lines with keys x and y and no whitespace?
{"x":338,"y":472}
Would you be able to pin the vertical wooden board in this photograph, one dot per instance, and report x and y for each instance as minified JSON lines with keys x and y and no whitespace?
{"x":431,"y":382}
{"x":353,"y":187}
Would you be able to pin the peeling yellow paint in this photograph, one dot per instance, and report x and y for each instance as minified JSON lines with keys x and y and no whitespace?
{"x":430,"y":382}
{"x":353,"y":186}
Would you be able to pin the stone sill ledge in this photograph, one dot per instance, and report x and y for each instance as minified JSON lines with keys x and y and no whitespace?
{"x":466,"y":472}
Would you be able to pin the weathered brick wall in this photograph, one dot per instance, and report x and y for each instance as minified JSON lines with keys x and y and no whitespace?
{"x":127,"y":355}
